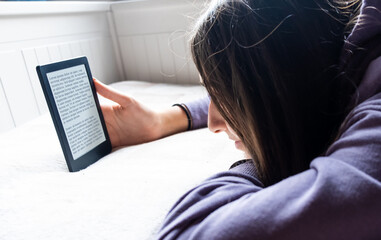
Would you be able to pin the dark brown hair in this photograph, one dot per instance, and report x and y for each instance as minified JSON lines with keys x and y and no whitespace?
{"x":271,"y":68}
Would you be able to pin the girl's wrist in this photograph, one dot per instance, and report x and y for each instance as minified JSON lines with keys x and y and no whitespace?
{"x":171,"y":121}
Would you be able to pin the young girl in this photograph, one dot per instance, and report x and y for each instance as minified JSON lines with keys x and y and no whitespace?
{"x":301,"y":100}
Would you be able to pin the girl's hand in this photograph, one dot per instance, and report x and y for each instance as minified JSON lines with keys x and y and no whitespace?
{"x":129,"y":122}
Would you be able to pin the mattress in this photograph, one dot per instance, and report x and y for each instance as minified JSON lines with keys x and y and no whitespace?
{"x":124,"y":195}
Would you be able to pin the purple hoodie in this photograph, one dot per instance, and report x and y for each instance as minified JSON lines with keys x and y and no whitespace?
{"x":338,"y":197}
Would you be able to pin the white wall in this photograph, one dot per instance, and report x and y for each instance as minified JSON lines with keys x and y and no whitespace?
{"x":153,"y":39}
{"x":39,"y":33}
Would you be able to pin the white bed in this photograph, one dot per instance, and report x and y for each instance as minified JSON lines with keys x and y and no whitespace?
{"x":125,"y":195}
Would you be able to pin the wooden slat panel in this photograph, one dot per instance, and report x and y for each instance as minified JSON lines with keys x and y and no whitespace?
{"x":167,"y":59}
{"x":193,"y":77}
{"x":31,"y":63}
{"x":86,"y":50}
{"x":154,"y":59}
{"x":108,"y":61}
{"x":141,"y":57}
{"x":159,"y":58}
{"x":40,"y":8}
{"x":177,"y":47}
{"x":128,"y":58}
{"x":6,"y":120}
{"x":43,"y":56}
{"x":65,"y":50}
{"x":46,"y":26}
{"x":114,"y":47}
{"x":76,"y":50}
{"x":160,"y":16}
{"x":54,"y":53}
{"x":169,"y":21}
{"x":17,"y":87}
{"x":59,"y":38}
{"x":97,"y":68}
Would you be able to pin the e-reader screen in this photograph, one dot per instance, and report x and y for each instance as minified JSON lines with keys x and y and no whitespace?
{"x":76,"y":107}
{"x":75,"y":110}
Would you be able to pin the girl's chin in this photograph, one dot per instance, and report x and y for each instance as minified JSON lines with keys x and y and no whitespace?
{"x":239,"y":145}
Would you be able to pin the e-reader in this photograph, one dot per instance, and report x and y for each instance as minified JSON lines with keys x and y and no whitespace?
{"x":74,"y":107}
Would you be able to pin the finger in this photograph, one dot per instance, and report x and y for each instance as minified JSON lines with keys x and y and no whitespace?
{"x":111,"y":93}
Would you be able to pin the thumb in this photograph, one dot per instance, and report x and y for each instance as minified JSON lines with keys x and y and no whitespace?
{"x":111,"y":94}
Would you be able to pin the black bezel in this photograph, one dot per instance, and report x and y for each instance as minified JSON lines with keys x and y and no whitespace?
{"x":96,"y":153}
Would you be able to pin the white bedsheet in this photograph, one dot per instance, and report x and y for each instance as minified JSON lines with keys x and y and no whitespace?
{"x":125,"y":195}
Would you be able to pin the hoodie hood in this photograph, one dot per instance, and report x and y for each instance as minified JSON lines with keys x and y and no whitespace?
{"x":363,"y":45}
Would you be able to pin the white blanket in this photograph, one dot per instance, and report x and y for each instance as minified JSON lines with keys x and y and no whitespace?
{"x":125,"y":195}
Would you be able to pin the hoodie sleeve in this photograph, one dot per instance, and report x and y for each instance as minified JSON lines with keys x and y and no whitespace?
{"x":338,"y":197}
{"x":198,"y":112}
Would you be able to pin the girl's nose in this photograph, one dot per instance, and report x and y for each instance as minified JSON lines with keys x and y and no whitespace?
{"x":216,"y":123}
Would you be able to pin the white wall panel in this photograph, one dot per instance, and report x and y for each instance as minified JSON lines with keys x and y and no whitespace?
{"x":193,"y":76}
{"x":46,"y":26}
{"x":86,"y":50}
{"x":154,"y":58}
{"x":128,"y":58}
{"x":91,"y":57}
{"x":95,"y":48}
{"x":65,"y":50}
{"x":167,"y":59}
{"x":75,"y":48}
{"x":108,"y":62}
{"x":6,"y":120}
{"x":43,"y":56}
{"x":177,"y":46}
{"x":33,"y":8}
{"x":116,"y":49}
{"x":155,"y":16}
{"x":141,"y":58}
{"x":153,"y":39}
{"x":32,"y":39}
{"x":31,"y":62}
{"x":18,"y":88}
{"x":54,"y":53}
